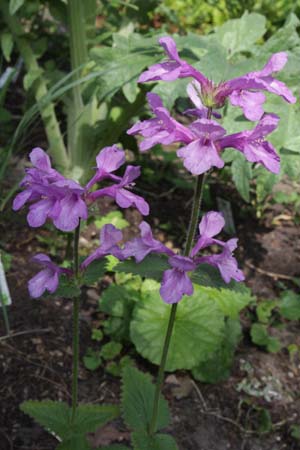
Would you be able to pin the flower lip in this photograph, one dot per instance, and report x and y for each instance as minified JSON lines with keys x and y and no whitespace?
{"x":182,"y":263}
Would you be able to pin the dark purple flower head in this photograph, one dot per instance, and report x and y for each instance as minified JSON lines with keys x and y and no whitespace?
{"x":47,"y":279}
{"x":163,"y":129}
{"x":253,"y":145}
{"x":51,"y":195}
{"x":141,"y":247}
{"x":242,"y":91}
{"x":109,"y":237}
{"x":108,"y":160}
{"x":121,"y":193}
{"x":202,"y":153}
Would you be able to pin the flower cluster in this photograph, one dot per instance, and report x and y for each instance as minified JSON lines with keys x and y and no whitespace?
{"x":204,"y":140}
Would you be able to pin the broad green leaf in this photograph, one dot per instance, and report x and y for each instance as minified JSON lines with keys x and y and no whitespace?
{"x":283,"y":39}
{"x":239,"y":35}
{"x":95,"y":271}
{"x":170,"y":92}
{"x":14,"y":5}
{"x":75,"y":442}
{"x":290,"y":305}
{"x":91,"y":417}
{"x":7,"y":44}
{"x":198,"y":329}
{"x":115,"y":218}
{"x":110,"y":350}
{"x":137,"y":401}
{"x":67,"y":288}
{"x":264,"y":310}
{"x":92,"y":359}
{"x":152,"y":266}
{"x":209,"y":276}
{"x":142,"y":441}
{"x":231,"y":302}
{"x":217,"y":367}
{"x":54,"y":416}
{"x":241,"y":175}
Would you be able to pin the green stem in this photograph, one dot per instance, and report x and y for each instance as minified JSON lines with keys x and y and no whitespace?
{"x":190,"y":238}
{"x":5,"y":314}
{"x":57,"y":147}
{"x":76,"y":303}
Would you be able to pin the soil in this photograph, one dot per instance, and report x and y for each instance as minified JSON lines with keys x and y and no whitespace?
{"x":36,"y":359}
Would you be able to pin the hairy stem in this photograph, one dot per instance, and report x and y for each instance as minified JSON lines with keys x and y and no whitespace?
{"x":190,"y":238}
{"x":76,"y":303}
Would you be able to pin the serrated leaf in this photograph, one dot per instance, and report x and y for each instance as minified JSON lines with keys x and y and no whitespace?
{"x":90,"y":417}
{"x":137,"y":401}
{"x":7,"y":44}
{"x":67,"y":288}
{"x":111,"y":350}
{"x":241,"y":175}
{"x":231,"y":302}
{"x":54,"y":416}
{"x":209,"y":276}
{"x":142,"y":441}
{"x":95,"y":271}
{"x":198,"y":329}
{"x":152,"y":266}
{"x":75,"y":442}
{"x":14,"y":5}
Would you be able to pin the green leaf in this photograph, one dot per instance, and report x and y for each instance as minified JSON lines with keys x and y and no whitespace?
{"x":75,"y":442}
{"x":209,"y":276}
{"x":264,"y":310}
{"x":290,"y":305}
{"x":142,"y":441}
{"x":95,"y":271}
{"x":137,"y":401}
{"x":115,"y":218}
{"x":260,"y":336}
{"x":114,"y":447}
{"x":152,"y":266}
{"x":7,"y":44}
{"x":198,"y":328}
{"x":217,"y":367}
{"x":111,"y":350}
{"x":241,"y":175}
{"x":14,"y":5}
{"x":54,"y":416}
{"x":67,"y":288}
{"x":231,"y":302}
{"x":239,"y":35}
{"x":92,"y":359}
{"x":31,"y":77}
{"x":91,"y":417}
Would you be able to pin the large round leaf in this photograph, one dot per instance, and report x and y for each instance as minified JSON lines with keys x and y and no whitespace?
{"x":198,"y":329}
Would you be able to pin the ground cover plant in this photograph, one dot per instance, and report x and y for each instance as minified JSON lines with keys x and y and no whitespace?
{"x":178,"y":304}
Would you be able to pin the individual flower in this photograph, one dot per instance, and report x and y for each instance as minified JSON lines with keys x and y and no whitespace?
{"x":141,"y":247}
{"x":162,"y":129}
{"x":109,"y":237}
{"x":120,"y":191}
{"x":51,"y":195}
{"x":242,"y":91}
{"x":47,"y":279}
{"x":108,"y":160}
{"x":176,"y":281}
{"x":253,"y":145}
{"x":202,"y":153}
{"x":201,"y":111}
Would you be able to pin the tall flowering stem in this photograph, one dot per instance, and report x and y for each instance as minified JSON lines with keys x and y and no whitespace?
{"x":188,"y":246}
{"x":76,"y":303}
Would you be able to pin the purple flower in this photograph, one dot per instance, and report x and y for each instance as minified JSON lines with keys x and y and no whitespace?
{"x":253,"y":145}
{"x":108,"y":160}
{"x":171,"y":69}
{"x":176,"y":281}
{"x":141,"y":247}
{"x":242,"y":91}
{"x":46,"y":279}
{"x":51,"y":195}
{"x":119,"y":191}
{"x":194,"y":92}
{"x":202,"y":153}
{"x":109,"y":237}
{"x":163,"y":129}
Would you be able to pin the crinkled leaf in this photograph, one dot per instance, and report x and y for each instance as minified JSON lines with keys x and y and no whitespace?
{"x":260,"y":336}
{"x":95,"y":271}
{"x":198,"y":328}
{"x":290,"y":305}
{"x":138,"y":393}
{"x":115,"y":218}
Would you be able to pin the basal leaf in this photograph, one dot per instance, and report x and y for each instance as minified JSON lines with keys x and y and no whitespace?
{"x":290,"y":305}
{"x":137,"y":401}
{"x":142,"y":441}
{"x":91,"y":417}
{"x":198,"y":329}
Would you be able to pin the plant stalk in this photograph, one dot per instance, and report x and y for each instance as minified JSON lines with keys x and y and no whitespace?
{"x":76,"y":303}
